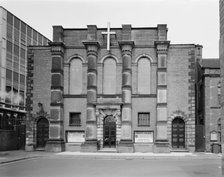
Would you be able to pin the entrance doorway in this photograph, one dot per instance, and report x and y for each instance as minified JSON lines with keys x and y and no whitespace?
{"x":178,"y":133}
{"x":42,"y":132}
{"x":109,"y":134}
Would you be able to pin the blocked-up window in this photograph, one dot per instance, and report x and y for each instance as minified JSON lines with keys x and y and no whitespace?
{"x":109,"y":76}
{"x":144,"y":70}
{"x":76,"y":76}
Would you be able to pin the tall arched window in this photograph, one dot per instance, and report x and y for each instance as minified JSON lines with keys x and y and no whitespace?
{"x":144,"y":69}
{"x":109,"y":76}
{"x":75,"y":76}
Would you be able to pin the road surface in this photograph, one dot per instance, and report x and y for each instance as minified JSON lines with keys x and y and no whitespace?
{"x":78,"y":167}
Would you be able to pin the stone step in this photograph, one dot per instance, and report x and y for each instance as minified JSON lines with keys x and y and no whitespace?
{"x":40,"y":149}
{"x":108,"y":150}
{"x":180,"y":150}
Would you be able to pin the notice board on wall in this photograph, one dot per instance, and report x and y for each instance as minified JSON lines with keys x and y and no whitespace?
{"x":144,"y":137}
{"x":75,"y":136}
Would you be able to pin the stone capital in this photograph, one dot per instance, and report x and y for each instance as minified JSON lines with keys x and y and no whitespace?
{"x":126,"y":47}
{"x":91,"y":47}
{"x":57,"y":48}
{"x":162,"y":46}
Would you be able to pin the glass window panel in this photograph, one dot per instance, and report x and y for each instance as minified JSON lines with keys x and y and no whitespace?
{"x":8,"y":74}
{"x":22,"y":53}
{"x":9,"y":47}
{"x":16,"y":23}
{"x":9,"y":18}
{"x":21,"y":98}
{"x":16,"y":66}
{"x":9,"y":32}
{"x":23,"y":27}
{"x":16,"y":50}
{"x":45,"y":41}
{"x":29,"y":31}
{"x":16,"y":36}
{"x":39,"y":39}
{"x":15,"y":77}
{"x":22,"y":79}
{"x":34,"y":35}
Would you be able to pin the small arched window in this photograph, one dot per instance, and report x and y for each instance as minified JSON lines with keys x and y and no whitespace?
{"x":75,"y":76}
{"x":144,"y":70}
{"x":109,"y":76}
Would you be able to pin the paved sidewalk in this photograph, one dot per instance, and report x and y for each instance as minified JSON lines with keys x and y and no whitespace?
{"x":17,"y":155}
{"x":12,"y":156}
{"x":138,"y":155}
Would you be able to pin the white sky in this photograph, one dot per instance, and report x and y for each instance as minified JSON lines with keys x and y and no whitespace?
{"x":188,"y":21}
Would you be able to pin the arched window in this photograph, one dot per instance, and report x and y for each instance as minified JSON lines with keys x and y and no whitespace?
{"x":144,"y":69}
{"x":76,"y":76}
{"x":109,"y":76}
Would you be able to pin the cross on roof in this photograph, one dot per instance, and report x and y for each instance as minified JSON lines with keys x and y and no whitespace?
{"x":108,"y":33}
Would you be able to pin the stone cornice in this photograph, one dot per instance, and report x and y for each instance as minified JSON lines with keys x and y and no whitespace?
{"x":57,"y":44}
{"x":162,"y":46}
{"x":131,"y":43}
{"x":87,"y":43}
{"x":57,"y":48}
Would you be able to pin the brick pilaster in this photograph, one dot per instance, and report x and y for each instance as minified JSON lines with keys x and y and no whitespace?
{"x":91,"y":123}
{"x":162,"y":46}
{"x":126,"y":144}
{"x":56,"y":134}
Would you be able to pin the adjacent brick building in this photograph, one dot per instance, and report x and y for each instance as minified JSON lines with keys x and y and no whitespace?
{"x":15,"y":36}
{"x":208,"y":119}
{"x":127,"y":89}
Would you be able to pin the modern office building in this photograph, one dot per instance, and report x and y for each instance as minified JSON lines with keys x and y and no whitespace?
{"x":15,"y":36}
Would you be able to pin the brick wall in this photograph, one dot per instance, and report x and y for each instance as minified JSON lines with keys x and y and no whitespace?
{"x":212,"y":108}
{"x":181,"y":95}
{"x":38,"y":90}
{"x":42,"y":79}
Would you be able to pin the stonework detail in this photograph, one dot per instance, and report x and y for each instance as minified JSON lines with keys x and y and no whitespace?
{"x":182,"y":115}
{"x":162,"y":47}
{"x":101,"y":114}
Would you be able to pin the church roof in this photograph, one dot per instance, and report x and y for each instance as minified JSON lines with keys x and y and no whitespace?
{"x":210,"y":63}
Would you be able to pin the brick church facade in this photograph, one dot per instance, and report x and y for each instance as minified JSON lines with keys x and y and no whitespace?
{"x":128,"y":89}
